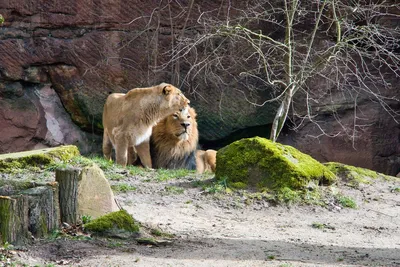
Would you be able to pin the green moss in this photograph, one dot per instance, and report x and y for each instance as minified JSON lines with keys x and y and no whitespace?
{"x":238,"y":185}
{"x":34,"y":159}
{"x":354,"y":176}
{"x":115,"y":220}
{"x":259,"y":163}
{"x":4,"y":218}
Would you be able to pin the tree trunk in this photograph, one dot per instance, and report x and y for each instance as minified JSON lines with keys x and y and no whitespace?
{"x":68,"y":194}
{"x":281,"y":116}
{"x":14,"y":219}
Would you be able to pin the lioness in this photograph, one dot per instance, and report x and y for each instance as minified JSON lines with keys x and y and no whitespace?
{"x":174,"y":142}
{"x":128,"y":119}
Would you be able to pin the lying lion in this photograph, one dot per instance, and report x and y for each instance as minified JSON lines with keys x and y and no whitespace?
{"x":174,"y":141}
{"x":206,"y":160}
{"x":128,"y":120}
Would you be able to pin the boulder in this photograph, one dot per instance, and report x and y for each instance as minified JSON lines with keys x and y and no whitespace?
{"x":118,"y":224}
{"x":261,"y":164}
{"x":95,"y":197}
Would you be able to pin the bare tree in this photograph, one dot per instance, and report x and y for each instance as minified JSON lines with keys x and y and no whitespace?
{"x":283,"y":47}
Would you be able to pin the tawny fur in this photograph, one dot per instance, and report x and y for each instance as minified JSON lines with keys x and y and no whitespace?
{"x":128,"y":120}
{"x":174,"y":141}
{"x":206,"y":161}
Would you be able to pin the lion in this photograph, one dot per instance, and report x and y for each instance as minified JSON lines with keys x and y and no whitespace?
{"x":174,"y":143}
{"x":206,"y":160}
{"x":128,"y":120}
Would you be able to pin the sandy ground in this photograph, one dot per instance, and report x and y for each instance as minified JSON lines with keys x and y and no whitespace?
{"x":228,"y":230}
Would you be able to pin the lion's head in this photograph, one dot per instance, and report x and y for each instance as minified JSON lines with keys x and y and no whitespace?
{"x":182,"y":124}
{"x":174,"y":141}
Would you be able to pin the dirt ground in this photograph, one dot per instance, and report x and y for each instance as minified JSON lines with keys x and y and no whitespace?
{"x":219,"y":229}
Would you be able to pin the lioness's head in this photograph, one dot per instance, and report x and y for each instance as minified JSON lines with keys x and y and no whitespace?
{"x":182,"y":124}
{"x":175,"y":98}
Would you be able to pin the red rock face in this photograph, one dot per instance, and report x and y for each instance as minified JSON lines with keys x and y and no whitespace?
{"x":59,"y":60}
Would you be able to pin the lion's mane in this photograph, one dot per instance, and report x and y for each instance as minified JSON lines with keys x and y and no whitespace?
{"x":174,"y":141}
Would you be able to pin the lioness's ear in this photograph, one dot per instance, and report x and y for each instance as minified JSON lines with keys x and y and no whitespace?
{"x":166,"y":90}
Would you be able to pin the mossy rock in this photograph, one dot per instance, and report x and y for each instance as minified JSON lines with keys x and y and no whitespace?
{"x":114,"y":224}
{"x":262,"y":164}
{"x":37,"y":158}
{"x":355,"y":176}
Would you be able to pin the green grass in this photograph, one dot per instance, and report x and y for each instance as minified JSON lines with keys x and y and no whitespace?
{"x":162,"y":175}
{"x":134,"y":170}
{"x":216,"y":187}
{"x":86,"y":219}
{"x":174,"y":190}
{"x":123,"y":187}
{"x":159,"y":233}
{"x":115,"y":176}
{"x":395,"y":189}
{"x":346,"y":202}
{"x":322,"y":226}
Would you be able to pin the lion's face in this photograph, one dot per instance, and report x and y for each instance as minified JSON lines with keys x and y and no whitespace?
{"x":182,"y":123}
{"x":174,"y":96}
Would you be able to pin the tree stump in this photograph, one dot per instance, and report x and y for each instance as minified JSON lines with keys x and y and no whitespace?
{"x":67,"y":179}
{"x":44,"y":212}
{"x":14,"y":219}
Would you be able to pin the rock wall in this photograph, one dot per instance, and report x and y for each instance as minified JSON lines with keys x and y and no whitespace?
{"x":84,"y":49}
{"x":60,"y":60}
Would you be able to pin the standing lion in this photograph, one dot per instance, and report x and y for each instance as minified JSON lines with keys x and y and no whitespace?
{"x":128,"y":119}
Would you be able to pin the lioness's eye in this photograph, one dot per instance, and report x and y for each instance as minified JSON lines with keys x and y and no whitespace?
{"x":175,"y":116}
{"x":188,"y":116}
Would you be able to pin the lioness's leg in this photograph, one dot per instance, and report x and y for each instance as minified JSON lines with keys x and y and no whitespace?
{"x":121,"y":152}
{"x":143,"y":151}
{"x":132,"y":155}
{"x":107,"y":146}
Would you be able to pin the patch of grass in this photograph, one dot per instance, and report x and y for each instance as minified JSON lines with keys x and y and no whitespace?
{"x":159,"y":233}
{"x":103,"y":163}
{"x":219,"y":186}
{"x":123,"y":188}
{"x":134,"y":170}
{"x":81,"y":161}
{"x":288,"y":196}
{"x":114,"y":244}
{"x":322,"y":226}
{"x":346,"y":202}
{"x":174,"y":190}
{"x":395,"y":189}
{"x":165,"y":175}
{"x":86,"y":219}
{"x":115,"y":176}
{"x":57,"y":165}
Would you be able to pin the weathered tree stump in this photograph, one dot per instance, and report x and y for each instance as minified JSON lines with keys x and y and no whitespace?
{"x":14,"y":219}
{"x":43,"y":212}
{"x":28,"y":212}
{"x":67,"y":179}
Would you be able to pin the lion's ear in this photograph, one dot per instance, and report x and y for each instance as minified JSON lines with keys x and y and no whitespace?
{"x":166,"y":90}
